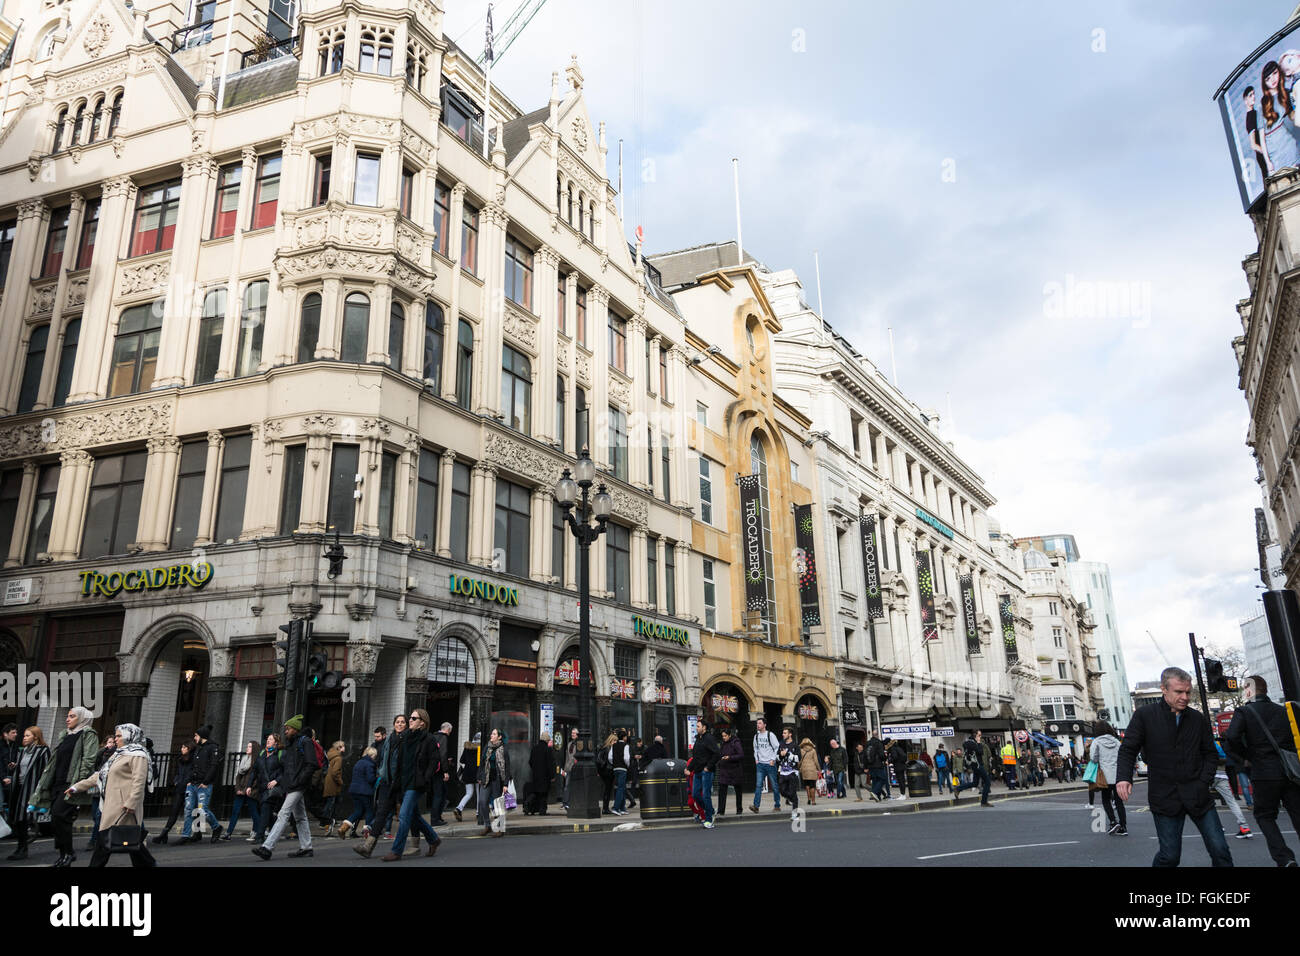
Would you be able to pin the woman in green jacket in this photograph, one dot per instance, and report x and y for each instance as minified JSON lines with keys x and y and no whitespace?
{"x":72,"y":759}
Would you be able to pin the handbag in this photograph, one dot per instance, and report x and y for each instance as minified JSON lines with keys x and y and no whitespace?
{"x":1290,"y":762}
{"x":124,"y":838}
{"x":1090,"y":772}
{"x":508,"y":795}
{"x":498,"y":807}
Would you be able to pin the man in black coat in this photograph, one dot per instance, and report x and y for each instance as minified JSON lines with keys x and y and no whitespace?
{"x":656,"y":751}
{"x":703,"y":763}
{"x":1247,"y":739}
{"x":1181,"y":759}
{"x":204,"y":772}
{"x":441,"y":780}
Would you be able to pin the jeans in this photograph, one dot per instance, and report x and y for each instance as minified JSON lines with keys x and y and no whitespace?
{"x":1247,"y":791}
{"x":362,"y":808}
{"x":841,"y":781}
{"x":702,"y":791}
{"x":409,"y":816}
{"x":1169,"y":830}
{"x":487,"y":794}
{"x":1107,"y":795}
{"x":439,"y":798}
{"x":294,"y":808}
{"x":943,"y":776}
{"x":620,"y":788}
{"x":254,"y":813}
{"x":469,"y":795}
{"x":197,"y":797}
{"x":979,"y":777}
{"x":1222,"y":788}
{"x":383,"y":809}
{"x":1268,"y":794}
{"x":765,"y":771}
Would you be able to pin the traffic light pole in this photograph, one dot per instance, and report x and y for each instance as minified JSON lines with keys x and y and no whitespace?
{"x":1200,"y":680}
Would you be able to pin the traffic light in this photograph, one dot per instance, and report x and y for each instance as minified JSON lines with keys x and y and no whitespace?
{"x":1214,"y":680}
{"x":319,"y":676}
{"x":289,"y":654}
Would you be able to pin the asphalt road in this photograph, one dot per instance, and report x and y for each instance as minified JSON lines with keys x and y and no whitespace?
{"x":1048,"y":830}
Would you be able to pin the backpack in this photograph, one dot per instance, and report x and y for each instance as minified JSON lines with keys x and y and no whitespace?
{"x":318,"y":775}
{"x":941,"y":759}
{"x":602,"y":760}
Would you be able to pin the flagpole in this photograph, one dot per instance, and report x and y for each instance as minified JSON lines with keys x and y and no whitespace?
{"x":487,"y":97}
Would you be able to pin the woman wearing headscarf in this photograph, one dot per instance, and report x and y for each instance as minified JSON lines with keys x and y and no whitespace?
{"x":246,"y":794}
{"x":122,"y":783}
{"x":73,"y":759}
{"x":31,"y":764}
{"x":493,"y":776}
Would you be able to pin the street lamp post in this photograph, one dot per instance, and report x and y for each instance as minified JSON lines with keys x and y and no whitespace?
{"x":584,"y":783}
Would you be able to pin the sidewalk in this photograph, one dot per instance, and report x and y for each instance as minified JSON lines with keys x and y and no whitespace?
{"x":556,"y":822}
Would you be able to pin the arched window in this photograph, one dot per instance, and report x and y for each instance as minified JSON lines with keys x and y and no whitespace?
{"x":45,"y":47}
{"x":758,"y":466}
{"x":75,"y":136}
{"x":356,"y":328}
{"x":433,"y":322}
{"x":451,"y":663}
{"x":665,"y":687}
{"x":32,"y":371}
{"x":384,"y":65}
{"x":396,"y":333}
{"x":67,"y":360}
{"x":591,"y":221}
{"x":94,"y":120}
{"x":417,"y":67}
{"x":115,"y":115}
{"x":376,"y":52}
{"x":582,"y":204}
{"x":581,"y":420}
{"x":570,"y":217}
{"x":209,"y":353}
{"x":559,"y":196}
{"x":331,"y":52}
{"x":252,"y":326}
{"x":516,"y":389}
{"x":464,"y":363}
{"x":309,"y":327}
{"x":367,"y":62}
{"x":59,"y":124}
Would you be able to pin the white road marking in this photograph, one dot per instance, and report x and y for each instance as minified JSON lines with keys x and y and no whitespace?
{"x":990,"y":849}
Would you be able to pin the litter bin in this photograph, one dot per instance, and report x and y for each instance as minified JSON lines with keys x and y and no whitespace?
{"x":918,"y":779}
{"x":663,"y":790}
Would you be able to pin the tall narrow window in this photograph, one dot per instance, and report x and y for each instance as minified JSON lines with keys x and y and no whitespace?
{"x":666,"y":461}
{"x":295,"y":466}
{"x":356,"y":328}
{"x":309,"y":327}
{"x":210,"y":325}
{"x":135,"y":350}
{"x":396,"y":335}
{"x":387,"y":483}
{"x":11,"y":485}
{"x":652,"y":571}
{"x":233,"y":489}
{"x":38,"y":540}
{"x":617,"y":341}
{"x":366,"y":61}
{"x":55,"y":239}
{"x":459,"y":543}
{"x":710,"y":596}
{"x":155,"y":218}
{"x":77,"y":125}
{"x":60,"y":130}
{"x":464,"y":364}
{"x":559,"y":409}
{"x":581,"y":320}
{"x":7,"y":229}
{"x":407,"y":192}
{"x":67,"y":361}
{"x":95,"y":114}
{"x":618,"y":569}
{"x":331,"y":52}
{"x":650,"y":457}
{"x":513,"y":521}
{"x":189,"y":494}
{"x":365,"y":186}
{"x":618,"y":442}
{"x":320,"y":187}
{"x":32,"y":369}
{"x":113,"y":511}
{"x":758,"y":466}
{"x":663,"y":373}
{"x":343,"y":482}
{"x":266,"y":199}
{"x":561,"y":307}
{"x":670,"y":578}
{"x":706,"y":491}
{"x":581,"y":420}
{"x":433,"y":323}
{"x":441,"y":219}
{"x":225,"y":214}
{"x":469,"y":239}
{"x":591,"y":221}
{"x":89,"y":230}
{"x":417,"y":66}
{"x":516,"y":387}
{"x":519,"y":273}
{"x":426,"y":500}
{"x":252,"y":327}
{"x":115,"y":114}
{"x":559,"y":536}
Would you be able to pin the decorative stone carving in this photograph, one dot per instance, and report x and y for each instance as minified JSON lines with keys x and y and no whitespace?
{"x":331,"y":259}
{"x":362,"y":230}
{"x":85,"y":431}
{"x":105,"y":75}
{"x":627,"y":505}
{"x":409,"y":243}
{"x":584,"y":368}
{"x":578,"y":132}
{"x":562,"y":356}
{"x":311,"y":230}
{"x":620,"y":391}
{"x":416,"y":144}
{"x":409,"y":278}
{"x":363,"y":657}
{"x":42,"y":299}
{"x":220,"y":660}
{"x":76,"y":294}
{"x":318,"y":424}
{"x":521,"y":459}
{"x":577,"y":170}
{"x":150,"y":277}
{"x":521,"y":328}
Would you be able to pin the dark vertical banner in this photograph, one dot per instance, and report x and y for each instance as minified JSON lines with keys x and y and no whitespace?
{"x":871,"y":567}
{"x":1008,"y":628}
{"x":925,"y":591}
{"x":751,"y":536}
{"x":809,"y":606}
{"x":967,"y":583}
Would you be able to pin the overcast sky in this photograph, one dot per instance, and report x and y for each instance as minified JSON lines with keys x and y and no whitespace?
{"x":961,"y":167}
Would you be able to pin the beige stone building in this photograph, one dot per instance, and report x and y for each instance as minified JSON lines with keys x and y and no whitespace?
{"x":262,"y":287}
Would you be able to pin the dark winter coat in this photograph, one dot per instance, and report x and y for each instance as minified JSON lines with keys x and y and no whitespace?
{"x":266,"y":767}
{"x":1246,"y":740}
{"x":334,"y":773}
{"x":837,"y":759}
{"x":207,"y":764}
{"x":656,"y":751}
{"x":363,"y":777}
{"x":468,"y":766}
{"x":897,"y":755}
{"x":297,"y":764}
{"x":875,"y":754}
{"x":705,"y":754}
{"x":730,"y":763}
{"x":417,"y":762}
{"x":541,"y":766}
{"x":1181,"y":758}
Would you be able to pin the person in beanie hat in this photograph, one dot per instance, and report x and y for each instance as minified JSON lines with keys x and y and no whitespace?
{"x":297,"y":764}
{"x":203,"y":776}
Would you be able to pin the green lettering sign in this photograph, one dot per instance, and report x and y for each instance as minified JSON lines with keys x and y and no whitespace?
{"x":471,"y":587}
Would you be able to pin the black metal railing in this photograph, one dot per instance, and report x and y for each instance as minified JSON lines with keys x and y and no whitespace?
{"x":272,"y":51}
{"x":195,"y":35}
{"x":159,"y":803}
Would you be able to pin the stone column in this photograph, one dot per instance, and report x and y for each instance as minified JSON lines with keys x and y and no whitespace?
{"x":58,"y":328}
{"x":683,"y":576}
{"x":477,"y":518}
{"x":661,"y":590}
{"x":640,"y":567}
{"x":217,"y":710}
{"x":159,"y":493}
{"x":571,"y":441}
{"x":539,"y":561}
{"x":442,"y":544}
{"x":268,"y":522}
{"x":259,"y":493}
{"x":32,"y":216}
{"x":599,"y":563}
{"x":17,"y":543}
{"x":487,"y":509}
{"x":637,"y":418}
{"x":493,"y":223}
{"x":598,"y":393}
{"x":545,"y":284}
{"x":70,"y":505}
{"x":381,"y":306}
{"x":211,"y":474}
{"x":655,"y":346}
{"x":331,"y":305}
{"x":315,"y":480}
{"x":882,"y":464}
{"x":93,"y":346}
{"x":404,"y":489}
{"x":182,"y":307}
{"x":130,"y":702}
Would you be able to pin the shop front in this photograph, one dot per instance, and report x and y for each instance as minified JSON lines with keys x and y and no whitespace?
{"x":810,"y":722}
{"x":853,"y":719}
{"x":452,"y":674}
{"x":514,"y":694}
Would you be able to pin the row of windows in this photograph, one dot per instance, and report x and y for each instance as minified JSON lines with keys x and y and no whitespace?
{"x":87,"y":125}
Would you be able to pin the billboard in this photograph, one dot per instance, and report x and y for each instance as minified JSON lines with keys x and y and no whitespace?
{"x":1258,"y":105}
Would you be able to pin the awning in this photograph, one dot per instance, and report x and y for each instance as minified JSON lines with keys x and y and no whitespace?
{"x":1046,"y":741}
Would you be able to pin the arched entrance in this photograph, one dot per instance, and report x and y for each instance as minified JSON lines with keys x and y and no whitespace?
{"x":810,"y":722}
{"x":726,"y":706}
{"x":178,"y":690}
{"x":451,"y":674}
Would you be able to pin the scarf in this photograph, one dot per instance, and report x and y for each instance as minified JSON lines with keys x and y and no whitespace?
{"x":245,"y":762}
{"x":84,"y":719}
{"x":132,"y":746}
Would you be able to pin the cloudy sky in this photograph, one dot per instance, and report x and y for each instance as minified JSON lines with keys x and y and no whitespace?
{"x":961,"y":167}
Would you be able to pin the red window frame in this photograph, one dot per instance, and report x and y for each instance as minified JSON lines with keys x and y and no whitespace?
{"x":89,"y":231}
{"x":264,"y":208}
{"x":55,"y":241}
{"x":225,"y":210}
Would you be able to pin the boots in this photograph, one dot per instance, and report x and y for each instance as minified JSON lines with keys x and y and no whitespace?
{"x":812,"y":795}
{"x":344,"y":827}
{"x":367,"y":846}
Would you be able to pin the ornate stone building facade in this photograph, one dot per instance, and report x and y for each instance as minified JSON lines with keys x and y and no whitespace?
{"x":261,"y":297}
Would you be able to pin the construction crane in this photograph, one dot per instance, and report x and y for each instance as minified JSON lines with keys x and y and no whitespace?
{"x":1168,"y":662}
{"x":511,"y":29}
